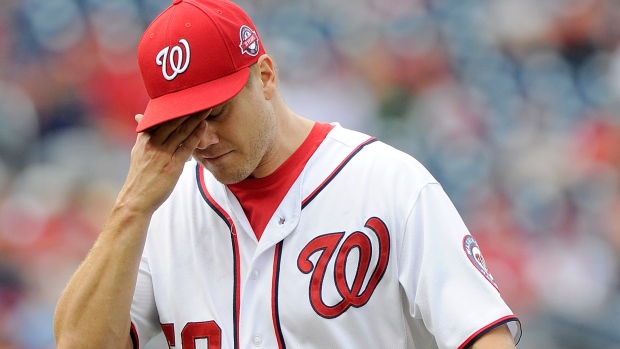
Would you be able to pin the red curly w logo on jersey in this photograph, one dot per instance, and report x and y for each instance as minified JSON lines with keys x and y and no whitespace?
{"x":353,"y":294}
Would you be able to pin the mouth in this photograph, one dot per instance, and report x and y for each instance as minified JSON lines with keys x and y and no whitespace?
{"x":214,"y":157}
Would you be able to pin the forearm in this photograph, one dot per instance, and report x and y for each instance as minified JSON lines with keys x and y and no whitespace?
{"x":93,"y":310}
{"x":498,"y":338}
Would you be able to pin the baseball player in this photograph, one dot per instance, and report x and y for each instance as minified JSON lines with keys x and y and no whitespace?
{"x":280,"y":232}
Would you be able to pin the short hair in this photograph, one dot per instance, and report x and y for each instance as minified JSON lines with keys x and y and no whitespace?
{"x":253,"y":70}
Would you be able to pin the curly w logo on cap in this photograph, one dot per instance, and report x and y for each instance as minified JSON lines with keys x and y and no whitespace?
{"x":175,"y":66}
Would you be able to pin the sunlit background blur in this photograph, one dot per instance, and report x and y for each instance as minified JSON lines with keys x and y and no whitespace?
{"x":513,"y":105}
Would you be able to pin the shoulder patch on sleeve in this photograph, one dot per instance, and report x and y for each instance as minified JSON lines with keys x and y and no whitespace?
{"x":475,"y":256}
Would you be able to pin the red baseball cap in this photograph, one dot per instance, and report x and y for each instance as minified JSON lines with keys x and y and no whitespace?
{"x":195,"y":55}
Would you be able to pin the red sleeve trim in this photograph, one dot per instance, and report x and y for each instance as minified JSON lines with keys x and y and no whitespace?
{"x":506,"y":319}
{"x":134,"y":337}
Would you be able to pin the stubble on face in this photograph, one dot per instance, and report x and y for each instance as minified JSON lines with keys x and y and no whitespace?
{"x":252,"y":149}
{"x":253,"y":138}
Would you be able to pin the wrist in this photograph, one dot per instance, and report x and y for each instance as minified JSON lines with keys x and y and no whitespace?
{"x":133,"y":203}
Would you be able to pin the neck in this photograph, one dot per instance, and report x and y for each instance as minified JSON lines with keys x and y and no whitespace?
{"x":292,"y":130}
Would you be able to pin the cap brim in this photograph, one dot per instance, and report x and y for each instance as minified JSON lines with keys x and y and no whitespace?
{"x":192,"y":100}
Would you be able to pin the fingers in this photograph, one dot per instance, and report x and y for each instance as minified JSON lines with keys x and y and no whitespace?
{"x":176,"y":130}
{"x":184,"y":131}
{"x":139,"y":117}
{"x":160,"y":133}
{"x":181,"y":141}
{"x":187,"y":146}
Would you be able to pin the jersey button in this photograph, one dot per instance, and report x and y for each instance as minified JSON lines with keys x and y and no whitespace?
{"x":254,"y":275}
{"x":257,"y":341}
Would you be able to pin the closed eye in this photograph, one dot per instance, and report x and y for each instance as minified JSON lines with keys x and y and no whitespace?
{"x":216,"y":112}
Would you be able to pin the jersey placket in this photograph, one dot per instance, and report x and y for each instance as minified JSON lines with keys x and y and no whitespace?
{"x":256,"y":318}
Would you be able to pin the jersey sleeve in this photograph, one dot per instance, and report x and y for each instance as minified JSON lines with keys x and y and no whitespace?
{"x":451,"y":294}
{"x":144,"y":319}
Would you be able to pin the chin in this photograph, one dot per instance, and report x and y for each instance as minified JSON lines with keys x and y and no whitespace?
{"x":228,"y":178}
{"x":223,"y":174}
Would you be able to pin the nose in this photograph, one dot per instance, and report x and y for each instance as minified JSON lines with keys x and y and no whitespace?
{"x":207,"y":138}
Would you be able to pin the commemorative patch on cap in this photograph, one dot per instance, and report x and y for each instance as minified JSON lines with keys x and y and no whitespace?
{"x":475,"y":256}
{"x":249,"y":41}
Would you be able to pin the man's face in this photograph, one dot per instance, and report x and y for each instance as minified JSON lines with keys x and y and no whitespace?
{"x":240,"y":136}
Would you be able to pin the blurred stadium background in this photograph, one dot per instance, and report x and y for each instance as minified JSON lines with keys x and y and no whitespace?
{"x":512,"y":104}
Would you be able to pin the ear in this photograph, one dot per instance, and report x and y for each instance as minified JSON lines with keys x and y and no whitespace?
{"x":267,"y":70}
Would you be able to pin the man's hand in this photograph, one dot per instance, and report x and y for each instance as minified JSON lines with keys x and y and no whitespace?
{"x":157,"y":161}
{"x":93,"y":310}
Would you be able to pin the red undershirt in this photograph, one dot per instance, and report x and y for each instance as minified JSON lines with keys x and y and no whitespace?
{"x":260,"y":197}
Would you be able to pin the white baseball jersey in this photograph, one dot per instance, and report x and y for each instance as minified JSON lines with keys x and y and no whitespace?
{"x":365,"y":251}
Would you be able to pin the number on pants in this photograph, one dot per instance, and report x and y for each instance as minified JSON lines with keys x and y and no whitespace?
{"x":195,"y":330}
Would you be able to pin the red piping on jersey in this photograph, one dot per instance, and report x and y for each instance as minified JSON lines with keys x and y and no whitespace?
{"x":474,"y":337}
{"x":277,"y":257}
{"x":278,"y":250}
{"x":235,"y":247}
{"x":335,"y":172}
{"x":134,"y":336}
